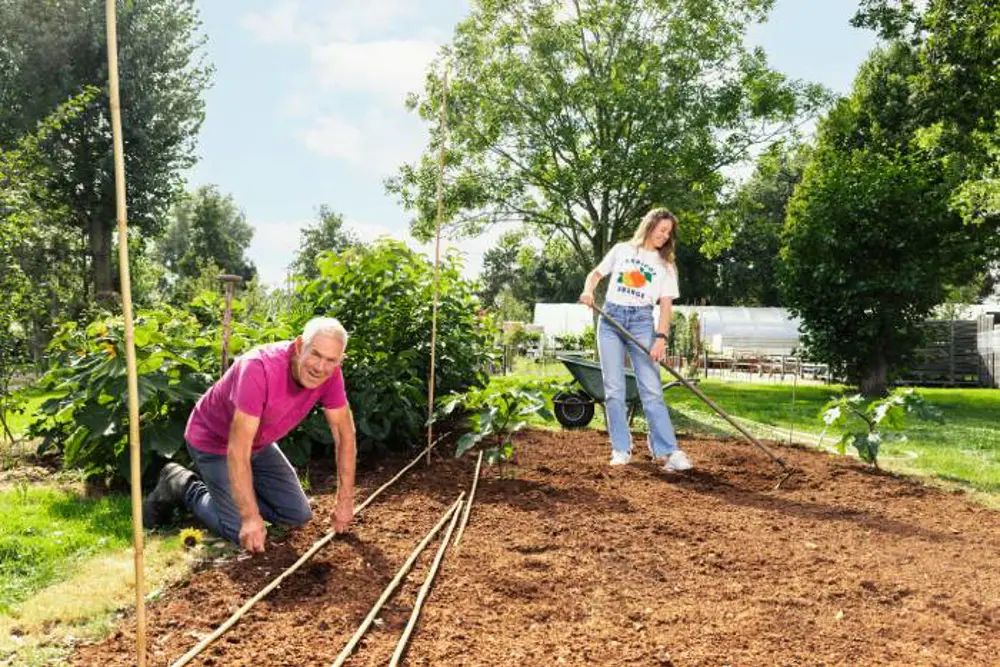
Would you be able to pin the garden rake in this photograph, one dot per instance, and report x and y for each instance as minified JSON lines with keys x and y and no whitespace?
{"x":787,"y":471}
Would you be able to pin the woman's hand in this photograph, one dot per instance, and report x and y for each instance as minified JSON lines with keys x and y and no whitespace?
{"x":587,"y":299}
{"x":657,"y":352}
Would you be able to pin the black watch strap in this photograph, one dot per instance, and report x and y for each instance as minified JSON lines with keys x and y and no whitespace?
{"x":660,"y":335}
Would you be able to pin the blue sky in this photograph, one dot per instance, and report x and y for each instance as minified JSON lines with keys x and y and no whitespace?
{"x":307,"y":103}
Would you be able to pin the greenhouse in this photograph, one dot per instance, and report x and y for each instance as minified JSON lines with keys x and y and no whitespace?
{"x":725,"y":330}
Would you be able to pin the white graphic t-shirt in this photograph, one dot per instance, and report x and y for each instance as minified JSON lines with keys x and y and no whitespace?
{"x":639,"y":277}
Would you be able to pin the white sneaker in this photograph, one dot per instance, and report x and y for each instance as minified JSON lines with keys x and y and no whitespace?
{"x":677,"y":462}
{"x":620,"y":458}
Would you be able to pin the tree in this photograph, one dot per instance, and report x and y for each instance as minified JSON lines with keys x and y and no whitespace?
{"x":575,"y":119}
{"x":749,"y":229}
{"x":207,"y":226}
{"x":955,"y":90}
{"x":37,"y":262}
{"x":326,"y":235}
{"x":870,"y":242}
{"x":52,"y":50}
{"x":530,"y":275}
{"x":500,"y":267}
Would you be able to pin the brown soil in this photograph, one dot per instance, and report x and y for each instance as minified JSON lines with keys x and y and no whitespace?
{"x":573,"y":562}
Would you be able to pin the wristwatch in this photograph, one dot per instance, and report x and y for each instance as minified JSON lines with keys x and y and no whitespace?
{"x":659,"y":334}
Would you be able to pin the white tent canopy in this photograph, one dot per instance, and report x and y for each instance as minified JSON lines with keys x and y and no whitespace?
{"x":725,"y":330}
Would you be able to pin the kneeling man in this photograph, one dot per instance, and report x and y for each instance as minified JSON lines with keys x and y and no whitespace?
{"x":232,"y":434}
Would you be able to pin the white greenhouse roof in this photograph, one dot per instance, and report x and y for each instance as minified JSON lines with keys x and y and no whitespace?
{"x":725,"y":329}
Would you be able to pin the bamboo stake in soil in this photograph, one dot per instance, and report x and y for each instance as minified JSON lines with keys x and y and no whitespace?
{"x":365,"y":624}
{"x":135,"y":449}
{"x":437,"y":261}
{"x":422,"y":595}
{"x":319,"y":544}
{"x":468,"y":505}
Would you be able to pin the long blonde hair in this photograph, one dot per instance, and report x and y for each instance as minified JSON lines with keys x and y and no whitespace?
{"x":645,"y":230}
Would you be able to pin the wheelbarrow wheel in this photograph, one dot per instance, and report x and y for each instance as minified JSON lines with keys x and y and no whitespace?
{"x":573,"y":410}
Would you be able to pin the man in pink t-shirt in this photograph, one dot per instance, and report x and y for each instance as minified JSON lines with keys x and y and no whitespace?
{"x":232,"y":434}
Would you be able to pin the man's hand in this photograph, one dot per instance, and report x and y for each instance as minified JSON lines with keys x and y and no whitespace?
{"x":587,"y":299}
{"x":657,"y":352}
{"x":343,"y":513}
{"x":252,"y":534}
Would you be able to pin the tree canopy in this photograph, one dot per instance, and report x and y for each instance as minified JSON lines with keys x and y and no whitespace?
{"x":871,"y":243}
{"x":327,"y":234}
{"x":576,"y":118}
{"x":51,"y":52}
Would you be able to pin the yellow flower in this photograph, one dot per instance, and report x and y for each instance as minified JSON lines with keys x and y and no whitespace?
{"x":110,"y":349}
{"x":191,"y":537}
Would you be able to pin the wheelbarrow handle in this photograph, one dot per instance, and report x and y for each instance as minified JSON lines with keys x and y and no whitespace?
{"x":695,"y":390}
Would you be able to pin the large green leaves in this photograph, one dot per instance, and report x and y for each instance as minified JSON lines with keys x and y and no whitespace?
{"x":384,"y":295}
{"x":87,"y":418}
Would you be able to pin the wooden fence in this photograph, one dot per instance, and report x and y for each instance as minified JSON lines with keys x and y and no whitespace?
{"x":948,"y":357}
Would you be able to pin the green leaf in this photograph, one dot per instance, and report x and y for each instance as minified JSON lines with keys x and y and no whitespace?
{"x":465,"y":443}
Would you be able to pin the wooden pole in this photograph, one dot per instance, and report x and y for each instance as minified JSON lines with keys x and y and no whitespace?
{"x":365,"y":624}
{"x":135,"y":448}
{"x":437,"y":258}
{"x":422,"y":595}
{"x":229,"y":283}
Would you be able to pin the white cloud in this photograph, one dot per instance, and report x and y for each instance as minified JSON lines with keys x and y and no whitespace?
{"x":351,"y":20}
{"x":378,"y":142}
{"x":387,"y":68}
{"x":276,"y":25}
{"x":273,"y":248}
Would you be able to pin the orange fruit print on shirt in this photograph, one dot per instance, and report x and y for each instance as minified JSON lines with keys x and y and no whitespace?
{"x":634,"y":279}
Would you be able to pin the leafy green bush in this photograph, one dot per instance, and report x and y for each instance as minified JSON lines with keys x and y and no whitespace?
{"x":383,"y":294}
{"x":867,"y":425}
{"x":176,"y":361}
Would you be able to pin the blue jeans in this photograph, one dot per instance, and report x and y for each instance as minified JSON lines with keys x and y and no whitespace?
{"x":280,"y":498}
{"x":638,"y":321}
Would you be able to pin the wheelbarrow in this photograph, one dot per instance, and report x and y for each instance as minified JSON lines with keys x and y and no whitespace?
{"x":575,"y":409}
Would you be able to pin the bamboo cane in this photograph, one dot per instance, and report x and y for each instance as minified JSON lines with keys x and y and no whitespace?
{"x":319,"y":544}
{"x":422,"y":595}
{"x":437,"y":260}
{"x":125,"y":279}
{"x":365,"y":624}
{"x":468,"y":505}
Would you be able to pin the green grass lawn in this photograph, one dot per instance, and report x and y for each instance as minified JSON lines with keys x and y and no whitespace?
{"x":45,"y":530}
{"x":965,"y":449}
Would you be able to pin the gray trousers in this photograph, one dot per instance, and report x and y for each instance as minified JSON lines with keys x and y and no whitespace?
{"x":279,"y":495}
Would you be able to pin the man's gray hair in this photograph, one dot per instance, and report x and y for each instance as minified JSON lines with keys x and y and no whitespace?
{"x":324,"y":326}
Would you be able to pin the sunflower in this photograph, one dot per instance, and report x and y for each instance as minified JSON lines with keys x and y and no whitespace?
{"x":191,"y":537}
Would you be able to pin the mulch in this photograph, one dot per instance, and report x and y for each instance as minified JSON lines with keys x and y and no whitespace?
{"x":568,"y":561}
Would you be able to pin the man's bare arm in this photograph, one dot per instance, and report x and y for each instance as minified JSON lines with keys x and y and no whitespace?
{"x":241,"y":435}
{"x":341,"y":423}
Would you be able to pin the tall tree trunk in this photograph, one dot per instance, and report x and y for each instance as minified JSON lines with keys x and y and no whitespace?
{"x":100,"y":253}
{"x":874,"y":381}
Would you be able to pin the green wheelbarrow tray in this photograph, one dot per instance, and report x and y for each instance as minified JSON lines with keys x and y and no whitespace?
{"x":576,"y":409}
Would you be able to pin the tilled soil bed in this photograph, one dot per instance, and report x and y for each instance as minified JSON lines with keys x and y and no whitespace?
{"x":568,"y":561}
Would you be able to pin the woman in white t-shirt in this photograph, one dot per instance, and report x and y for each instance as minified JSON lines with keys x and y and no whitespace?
{"x":643,"y":274}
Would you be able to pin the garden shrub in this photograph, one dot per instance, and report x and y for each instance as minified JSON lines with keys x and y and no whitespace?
{"x":383,"y":295}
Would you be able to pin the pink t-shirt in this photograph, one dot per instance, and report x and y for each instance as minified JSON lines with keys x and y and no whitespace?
{"x":260,"y":384}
